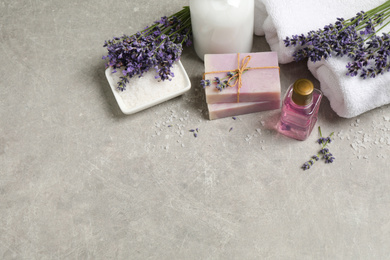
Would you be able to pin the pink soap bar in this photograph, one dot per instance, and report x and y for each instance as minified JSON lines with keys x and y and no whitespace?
{"x":222,"y":110}
{"x":257,"y":84}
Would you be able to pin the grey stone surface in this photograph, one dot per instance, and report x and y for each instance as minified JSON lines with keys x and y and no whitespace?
{"x":80,"y":180}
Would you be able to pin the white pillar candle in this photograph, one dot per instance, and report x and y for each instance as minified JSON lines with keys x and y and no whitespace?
{"x":222,"y":26}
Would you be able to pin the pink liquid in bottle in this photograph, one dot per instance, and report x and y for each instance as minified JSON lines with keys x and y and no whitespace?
{"x":299,"y":110}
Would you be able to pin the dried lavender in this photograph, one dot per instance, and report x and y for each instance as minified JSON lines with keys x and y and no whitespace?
{"x":156,"y":47}
{"x":221,"y":83}
{"x":195,"y":132}
{"x":324,"y":152}
{"x":355,"y":38}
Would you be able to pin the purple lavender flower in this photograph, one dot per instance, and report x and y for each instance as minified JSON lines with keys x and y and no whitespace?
{"x":315,"y":157}
{"x":326,"y":155}
{"x":306,"y":166}
{"x":328,"y":158}
{"x":220,"y":83}
{"x":205,"y":83}
{"x":355,"y":38}
{"x":321,"y":140}
{"x":324,"y":150}
{"x":156,"y":47}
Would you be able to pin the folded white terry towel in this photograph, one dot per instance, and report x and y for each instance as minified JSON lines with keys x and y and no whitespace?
{"x":350,"y":96}
{"x":278,"y":19}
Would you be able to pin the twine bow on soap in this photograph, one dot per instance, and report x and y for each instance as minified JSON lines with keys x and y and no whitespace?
{"x":240,"y":70}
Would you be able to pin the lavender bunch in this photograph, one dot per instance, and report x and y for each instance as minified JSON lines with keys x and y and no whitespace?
{"x":355,"y":38}
{"x":324,"y":152}
{"x":156,"y":47}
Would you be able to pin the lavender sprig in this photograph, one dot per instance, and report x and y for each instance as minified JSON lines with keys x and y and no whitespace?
{"x":156,"y":47}
{"x":356,"y":38}
{"x":324,"y":152}
{"x":221,"y":83}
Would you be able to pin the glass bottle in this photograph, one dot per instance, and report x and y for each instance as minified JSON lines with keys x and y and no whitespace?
{"x":299,"y":109}
{"x":222,"y":26}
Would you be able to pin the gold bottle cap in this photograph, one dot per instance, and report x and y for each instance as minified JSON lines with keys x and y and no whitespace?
{"x":302,"y":92}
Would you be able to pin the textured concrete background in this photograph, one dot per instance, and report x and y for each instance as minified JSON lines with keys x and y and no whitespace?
{"x":80,"y":180}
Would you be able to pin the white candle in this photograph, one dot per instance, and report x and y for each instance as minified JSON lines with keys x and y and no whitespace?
{"x":222,"y":26}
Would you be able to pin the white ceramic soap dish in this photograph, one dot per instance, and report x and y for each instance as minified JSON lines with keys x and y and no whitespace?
{"x":146,"y":91}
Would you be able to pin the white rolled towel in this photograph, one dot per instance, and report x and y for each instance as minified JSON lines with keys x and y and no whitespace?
{"x":348,"y":96}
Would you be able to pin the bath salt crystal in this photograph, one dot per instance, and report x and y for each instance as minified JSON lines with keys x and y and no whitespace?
{"x":147,"y":89}
{"x":354,"y":146}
